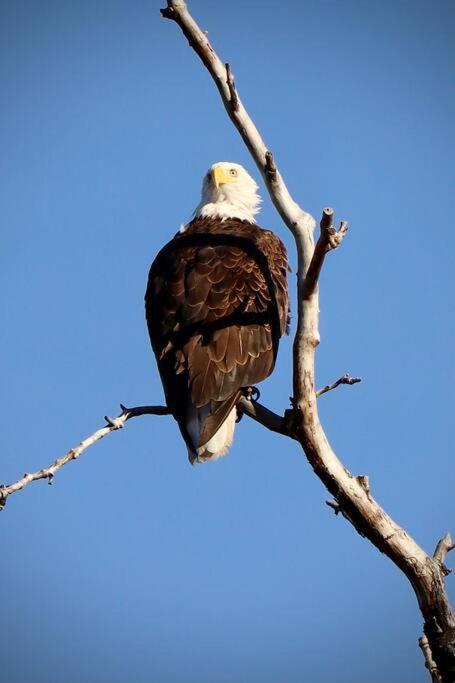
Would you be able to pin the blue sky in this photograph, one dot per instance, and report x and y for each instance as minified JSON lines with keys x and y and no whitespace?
{"x":134,"y":565}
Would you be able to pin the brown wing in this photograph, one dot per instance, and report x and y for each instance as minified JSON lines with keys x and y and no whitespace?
{"x":215,"y":310}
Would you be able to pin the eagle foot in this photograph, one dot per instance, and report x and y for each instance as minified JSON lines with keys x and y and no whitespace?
{"x":251,"y":393}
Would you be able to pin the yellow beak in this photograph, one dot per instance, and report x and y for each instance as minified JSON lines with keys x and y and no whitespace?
{"x":220,"y":176}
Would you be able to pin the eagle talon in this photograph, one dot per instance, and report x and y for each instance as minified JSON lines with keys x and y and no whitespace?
{"x":256,"y":395}
{"x":252,"y":393}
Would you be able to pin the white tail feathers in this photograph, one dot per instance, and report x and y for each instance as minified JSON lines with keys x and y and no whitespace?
{"x":219,"y":444}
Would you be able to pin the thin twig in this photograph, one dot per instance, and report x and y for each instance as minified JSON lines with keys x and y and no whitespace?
{"x":49,"y":472}
{"x":345,"y":379}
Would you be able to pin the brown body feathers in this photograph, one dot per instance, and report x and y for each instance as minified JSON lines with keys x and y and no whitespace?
{"x":216,"y":306}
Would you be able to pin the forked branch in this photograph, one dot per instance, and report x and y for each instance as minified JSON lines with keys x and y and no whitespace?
{"x":329,"y":239}
{"x":345,"y":379}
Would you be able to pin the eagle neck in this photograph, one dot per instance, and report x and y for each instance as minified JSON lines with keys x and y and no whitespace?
{"x":224,"y":211}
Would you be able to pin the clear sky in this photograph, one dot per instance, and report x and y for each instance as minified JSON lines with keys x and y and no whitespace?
{"x":134,"y":566}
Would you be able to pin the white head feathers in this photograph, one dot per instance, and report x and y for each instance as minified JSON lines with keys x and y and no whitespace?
{"x":228,"y":191}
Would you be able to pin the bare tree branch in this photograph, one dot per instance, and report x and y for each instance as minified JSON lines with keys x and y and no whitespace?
{"x":352,"y":494}
{"x":345,"y":379}
{"x":246,"y":406}
{"x":264,"y":416}
{"x":49,"y":472}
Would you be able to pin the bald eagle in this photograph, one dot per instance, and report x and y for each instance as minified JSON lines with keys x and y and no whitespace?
{"x":216,"y":306}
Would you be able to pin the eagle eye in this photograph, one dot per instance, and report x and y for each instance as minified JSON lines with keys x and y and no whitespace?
{"x":233,"y":172}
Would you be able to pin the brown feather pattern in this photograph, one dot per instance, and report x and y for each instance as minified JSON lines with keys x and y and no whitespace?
{"x":216,"y":306}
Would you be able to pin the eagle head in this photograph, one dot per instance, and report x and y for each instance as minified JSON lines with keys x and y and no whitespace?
{"x":228,"y":191}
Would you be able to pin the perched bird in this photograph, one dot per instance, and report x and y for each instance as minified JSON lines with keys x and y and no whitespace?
{"x":216,"y":305}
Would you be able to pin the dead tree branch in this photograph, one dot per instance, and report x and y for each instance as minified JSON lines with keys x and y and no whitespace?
{"x":246,"y":406}
{"x":48,"y":472}
{"x":345,"y":379}
{"x":352,"y":494}
{"x":329,"y":239}
{"x":263,"y":415}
